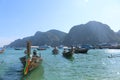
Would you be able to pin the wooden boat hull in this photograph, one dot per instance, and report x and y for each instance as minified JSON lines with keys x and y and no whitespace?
{"x":81,"y":51}
{"x":29,"y":66}
{"x":55,"y":51}
{"x":68,"y":54}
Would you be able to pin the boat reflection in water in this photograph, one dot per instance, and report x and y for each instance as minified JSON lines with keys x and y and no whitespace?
{"x":36,"y":74}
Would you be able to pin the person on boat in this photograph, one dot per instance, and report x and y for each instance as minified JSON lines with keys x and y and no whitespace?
{"x":35,"y":53}
{"x":55,"y":50}
{"x":64,"y":51}
{"x":72,"y":49}
{"x":35,"y":56}
{"x":26,"y":55}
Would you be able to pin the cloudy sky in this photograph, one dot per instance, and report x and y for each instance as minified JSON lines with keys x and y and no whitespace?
{"x":21,"y":18}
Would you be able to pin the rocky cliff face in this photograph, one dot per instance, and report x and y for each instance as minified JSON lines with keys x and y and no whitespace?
{"x":91,"y":33}
{"x":118,"y":33}
{"x":52,"y":37}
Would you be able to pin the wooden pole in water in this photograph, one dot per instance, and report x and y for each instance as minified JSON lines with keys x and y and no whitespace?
{"x":28,"y":48}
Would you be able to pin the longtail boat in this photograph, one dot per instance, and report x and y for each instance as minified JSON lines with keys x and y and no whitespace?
{"x":18,"y":48}
{"x":81,"y":50}
{"x":68,"y":54}
{"x":55,"y":51}
{"x":30,"y":63}
{"x":2,"y":50}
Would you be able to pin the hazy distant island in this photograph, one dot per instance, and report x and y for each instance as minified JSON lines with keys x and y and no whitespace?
{"x":92,"y":33}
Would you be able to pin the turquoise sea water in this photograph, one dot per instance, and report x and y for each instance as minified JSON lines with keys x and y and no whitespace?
{"x":96,"y":65}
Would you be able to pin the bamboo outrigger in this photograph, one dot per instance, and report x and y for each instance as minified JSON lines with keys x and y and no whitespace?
{"x":29,"y":62}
